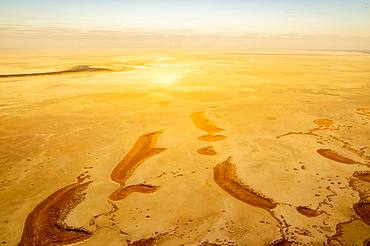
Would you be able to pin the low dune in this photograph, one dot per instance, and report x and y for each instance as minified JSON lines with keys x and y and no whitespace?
{"x":45,"y":224}
{"x":225,"y":176}
{"x":308,"y":211}
{"x":208,"y":150}
{"x":333,"y":155}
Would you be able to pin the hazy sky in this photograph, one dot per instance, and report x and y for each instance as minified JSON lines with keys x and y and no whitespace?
{"x":220,"y":24}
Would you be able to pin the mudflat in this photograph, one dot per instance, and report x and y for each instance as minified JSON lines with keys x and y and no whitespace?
{"x":184,"y":149}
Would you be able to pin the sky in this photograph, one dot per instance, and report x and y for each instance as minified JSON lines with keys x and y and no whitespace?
{"x":186,"y":24}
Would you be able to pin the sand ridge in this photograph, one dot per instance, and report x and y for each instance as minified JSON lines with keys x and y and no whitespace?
{"x":45,"y":224}
{"x":333,"y":155}
{"x":123,"y":192}
{"x":225,"y":176}
{"x":207,"y":150}
{"x":324,"y":123}
{"x":204,"y":123}
{"x":211,"y":138}
{"x":308,"y":211}
{"x":142,"y":150}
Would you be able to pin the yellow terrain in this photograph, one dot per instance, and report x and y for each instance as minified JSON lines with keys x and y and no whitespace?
{"x":115,"y":148}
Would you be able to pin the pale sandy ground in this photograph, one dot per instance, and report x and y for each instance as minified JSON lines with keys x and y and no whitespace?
{"x":54,"y":128}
